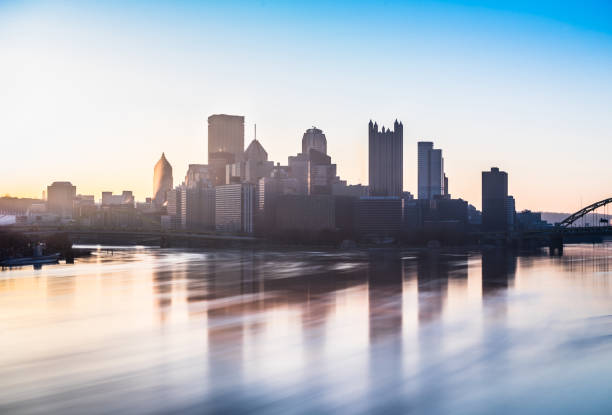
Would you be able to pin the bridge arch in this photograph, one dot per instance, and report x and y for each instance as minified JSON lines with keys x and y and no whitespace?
{"x":584,"y":211}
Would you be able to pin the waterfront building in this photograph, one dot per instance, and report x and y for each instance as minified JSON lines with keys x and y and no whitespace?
{"x":431,"y":177}
{"x":474,"y":216}
{"x":379,"y":216}
{"x":198,"y":207}
{"x":268,"y":190}
{"x":510,"y":212}
{"x":495,"y":209}
{"x":234,"y":206}
{"x":162,"y":181}
{"x":528,"y":220}
{"x":307,"y":214}
{"x":60,"y":199}
{"x":385,"y":155}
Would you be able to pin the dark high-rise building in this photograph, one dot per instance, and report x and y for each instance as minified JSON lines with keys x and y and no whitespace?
{"x":386,"y":160}
{"x":304,"y":213}
{"x":198,"y":207}
{"x":60,"y":198}
{"x":495,"y":200}
{"x":378,"y":216}
{"x":162,"y":181}
{"x":431,"y":177}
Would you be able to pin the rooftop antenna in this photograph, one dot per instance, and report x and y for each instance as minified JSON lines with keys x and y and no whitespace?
{"x":255,"y":131}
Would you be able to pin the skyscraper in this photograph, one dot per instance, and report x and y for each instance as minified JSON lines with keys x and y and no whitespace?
{"x":226,"y":135}
{"x":386,"y":160}
{"x":431,"y":177}
{"x":225,"y":144}
{"x":312,"y":168}
{"x":495,"y":200}
{"x":314,"y":139}
{"x":162,"y":181}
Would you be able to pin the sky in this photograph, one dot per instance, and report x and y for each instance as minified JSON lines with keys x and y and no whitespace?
{"x":94,"y":92}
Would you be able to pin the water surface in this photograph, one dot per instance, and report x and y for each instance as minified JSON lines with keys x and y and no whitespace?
{"x":381,"y":331}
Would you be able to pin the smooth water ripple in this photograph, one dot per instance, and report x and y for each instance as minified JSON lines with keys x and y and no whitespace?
{"x":137,"y":330}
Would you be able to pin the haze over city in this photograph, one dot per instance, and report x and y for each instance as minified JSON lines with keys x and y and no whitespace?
{"x":513,"y":85}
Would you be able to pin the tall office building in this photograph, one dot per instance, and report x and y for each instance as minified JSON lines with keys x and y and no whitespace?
{"x":60,"y":198}
{"x":174,"y":208}
{"x":234,"y":205}
{"x":431,"y":177}
{"x":162,"y":181}
{"x":312,"y":168}
{"x":225,"y":144}
{"x":386,"y":160}
{"x":314,"y":139}
{"x":495,"y":215}
{"x":226,"y":135}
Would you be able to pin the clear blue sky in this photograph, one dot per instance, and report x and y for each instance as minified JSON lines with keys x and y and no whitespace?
{"x":94,"y":92}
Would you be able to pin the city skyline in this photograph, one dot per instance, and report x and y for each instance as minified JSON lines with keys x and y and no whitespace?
{"x":100,"y":121}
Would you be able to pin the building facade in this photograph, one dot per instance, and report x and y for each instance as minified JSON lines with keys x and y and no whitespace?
{"x":198,"y":208}
{"x":162,"y":181}
{"x":234,"y":208}
{"x":197,"y":174}
{"x":60,"y":199}
{"x":431,"y":177}
{"x":495,"y":200}
{"x":379,"y":216}
{"x":226,"y":135}
{"x":305,"y":213}
{"x":385,"y":154}
{"x":314,"y":139}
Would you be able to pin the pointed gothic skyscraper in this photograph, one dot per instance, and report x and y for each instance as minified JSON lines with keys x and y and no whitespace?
{"x":386,"y":160}
{"x":162,"y":181}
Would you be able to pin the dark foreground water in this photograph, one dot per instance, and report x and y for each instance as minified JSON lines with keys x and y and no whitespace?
{"x":167,"y":331}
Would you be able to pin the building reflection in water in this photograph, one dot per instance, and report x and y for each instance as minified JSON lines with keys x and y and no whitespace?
{"x":432,"y":278}
{"x":385,"y":295}
{"x":498,"y":270}
{"x":162,"y":293}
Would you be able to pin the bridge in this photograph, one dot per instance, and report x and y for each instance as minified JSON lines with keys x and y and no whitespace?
{"x":567,"y":229}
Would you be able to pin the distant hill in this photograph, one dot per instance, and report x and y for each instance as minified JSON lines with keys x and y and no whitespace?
{"x":555,"y":217}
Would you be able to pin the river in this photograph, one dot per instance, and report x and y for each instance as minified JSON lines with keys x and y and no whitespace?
{"x":147,"y":330}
